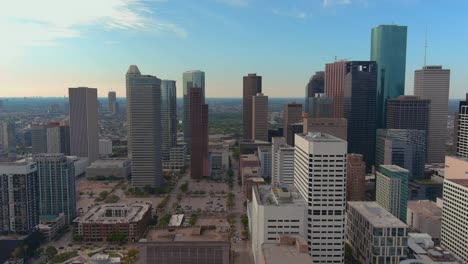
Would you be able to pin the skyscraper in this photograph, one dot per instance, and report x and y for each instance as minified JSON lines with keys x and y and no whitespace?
{"x":388,"y":49}
{"x":334,"y":85}
{"x":252,"y":85}
{"x":58,"y":139}
{"x":320,"y":177}
{"x":199,"y":166}
{"x":84,"y":130}
{"x":292,"y":113}
{"x":315,"y":86}
{"x":359,"y":108}
{"x":112,"y":106}
{"x":392,"y":189}
{"x":282,"y":162}
{"x":319,"y":106}
{"x":337,"y":127}
{"x":191,"y":79}
{"x":144,"y":128}
{"x":433,"y":82}
{"x":168,"y":117}
{"x":355,"y":178}
{"x":408,"y":112}
{"x":56,"y":185}
{"x":461,"y":129}
{"x":39,"y":138}
{"x":9,"y":136}
{"x":260,"y":117}
{"x":18,"y":197}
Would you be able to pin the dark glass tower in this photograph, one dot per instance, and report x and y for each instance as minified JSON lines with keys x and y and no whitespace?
{"x":388,"y":49}
{"x":316,"y":85}
{"x":252,"y":85}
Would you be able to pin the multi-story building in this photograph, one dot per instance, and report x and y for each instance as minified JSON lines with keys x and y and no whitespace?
{"x":176,"y":158}
{"x":388,"y":50}
{"x":320,"y":178}
{"x":265,"y":158}
{"x":425,"y":216}
{"x":168,"y":118}
{"x":334,"y":85}
{"x":191,"y":79}
{"x":105,"y":147}
{"x":375,"y":235}
{"x":337,"y":127}
{"x":109,"y":167}
{"x":51,"y":225}
{"x":315,"y":86}
{"x":423,"y":250}
{"x":408,"y":112}
{"x":454,"y":231}
{"x":432,"y":83}
{"x":199,"y":162}
{"x":112,"y":106}
{"x":392,"y":190}
{"x":144,"y":127}
{"x":19,"y":200}
{"x":275,"y":211}
{"x":84,"y":130}
{"x":292,"y":114}
{"x":359,"y":108}
{"x":260,"y":117}
{"x":403,"y":147}
{"x":39,"y":137}
{"x":319,"y":106}
{"x":58,"y":138}
{"x":282,"y":162}
{"x":252,"y":85}
{"x":461,"y":129}
{"x":8,"y":136}
{"x":355,"y":178}
{"x":57,"y":191}
{"x":292,"y":130}
{"x":104,"y":220}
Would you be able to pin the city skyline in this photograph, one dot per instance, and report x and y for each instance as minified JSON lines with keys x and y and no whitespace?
{"x":42,"y":45}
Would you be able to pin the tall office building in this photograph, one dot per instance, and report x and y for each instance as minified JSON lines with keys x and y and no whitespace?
{"x":112,"y":105}
{"x":18,"y":197}
{"x":199,"y":166}
{"x":316,"y":85}
{"x":58,"y":139}
{"x":144,"y":128}
{"x":408,"y":112}
{"x":39,"y":138}
{"x":191,"y":79}
{"x":403,"y":147}
{"x":260,"y":117}
{"x":388,"y":50}
{"x":334,"y":85}
{"x":84,"y":129}
{"x":292,"y":114}
{"x":392,"y":189}
{"x":319,"y":106}
{"x":168,"y":117}
{"x":432,"y":83}
{"x":282,"y":162}
{"x":355,"y":178}
{"x":461,"y":129}
{"x":9,"y":136}
{"x":252,"y":85}
{"x":320,"y":177}
{"x":337,"y":127}
{"x":454,"y":228}
{"x":359,"y":108}
{"x":57,"y":192}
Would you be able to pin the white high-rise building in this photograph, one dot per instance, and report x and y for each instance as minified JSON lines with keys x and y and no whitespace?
{"x":454,"y":231}
{"x":462,"y":128}
{"x":282,"y":162}
{"x":320,"y":177}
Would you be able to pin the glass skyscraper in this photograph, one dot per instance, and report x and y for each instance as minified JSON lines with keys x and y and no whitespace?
{"x":191,"y":79}
{"x":388,"y":49}
{"x":168,"y":117}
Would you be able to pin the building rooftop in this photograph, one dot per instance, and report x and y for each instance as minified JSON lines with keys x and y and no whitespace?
{"x":176,"y":220}
{"x":280,"y":254}
{"x":427,"y":208}
{"x":394,"y":168}
{"x":109,"y":163}
{"x":277,"y":196}
{"x":462,"y":182}
{"x":186,"y":234}
{"x":422,"y":247}
{"x":115,"y":213}
{"x":319,"y":137}
{"x":249,"y":157}
{"x":251,"y":171}
{"x":376,"y":215}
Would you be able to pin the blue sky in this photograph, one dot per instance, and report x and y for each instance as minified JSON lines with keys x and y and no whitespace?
{"x":56,"y":44}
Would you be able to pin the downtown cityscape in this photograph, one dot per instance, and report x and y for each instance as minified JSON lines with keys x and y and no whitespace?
{"x":355,"y":168}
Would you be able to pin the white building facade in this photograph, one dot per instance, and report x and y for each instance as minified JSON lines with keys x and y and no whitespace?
{"x":282,"y":162}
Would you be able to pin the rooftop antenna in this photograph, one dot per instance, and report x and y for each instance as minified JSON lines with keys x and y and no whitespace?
{"x":425,"y":48}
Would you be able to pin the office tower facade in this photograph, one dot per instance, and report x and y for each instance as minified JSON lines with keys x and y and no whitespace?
{"x":337,"y":127}
{"x":168,"y":117}
{"x":18,"y":197}
{"x":432,"y":83}
{"x":375,"y":235}
{"x":57,"y":192}
{"x":260,"y":117}
{"x":461,"y":129}
{"x":265,"y":158}
{"x":292,"y":114}
{"x":199,"y":166}
{"x":84,"y":129}
{"x":454,"y":230}
{"x":282,"y":162}
{"x":408,"y":112}
{"x":8,"y":136}
{"x":58,"y":139}
{"x":39,"y":138}
{"x":319,"y":106}
{"x":403,"y":147}
{"x":112,"y":106}
{"x":191,"y":79}
{"x":320,"y":177}
{"x":334,"y":85}
{"x":252,"y":85}
{"x":388,"y":50}
{"x":355,"y":178}
{"x":105,"y":147}
{"x":144,"y":128}
{"x":316,"y":85}
{"x":359,"y":108}
{"x":392,"y":189}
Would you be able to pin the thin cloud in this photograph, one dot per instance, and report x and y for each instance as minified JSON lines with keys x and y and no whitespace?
{"x":238,"y":3}
{"x":329,"y":3}
{"x":292,"y":13}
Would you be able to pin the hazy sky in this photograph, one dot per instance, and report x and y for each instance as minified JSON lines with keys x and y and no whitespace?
{"x":49,"y":45}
